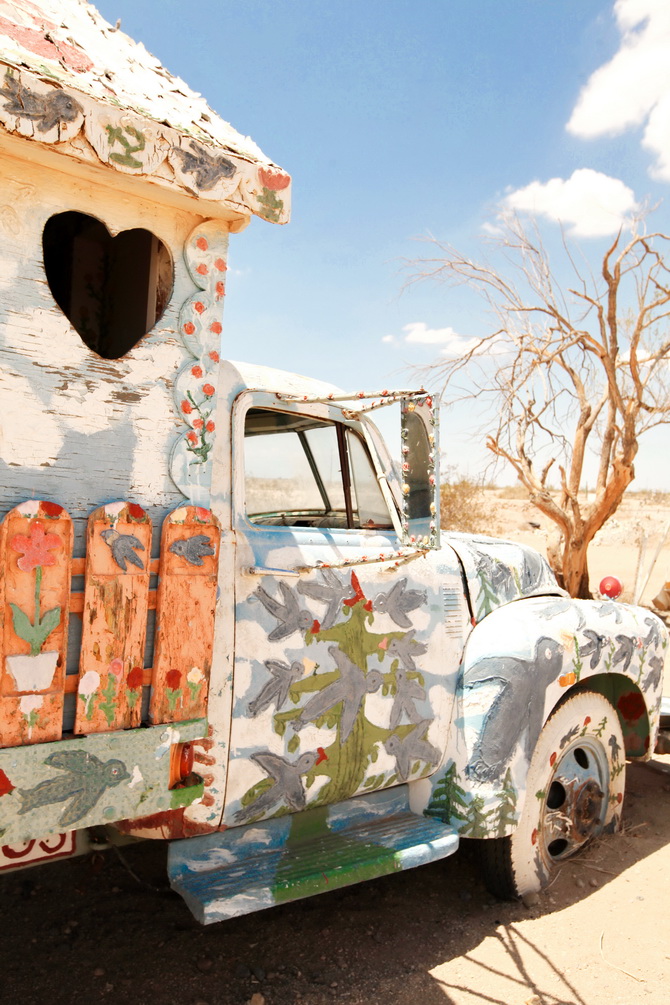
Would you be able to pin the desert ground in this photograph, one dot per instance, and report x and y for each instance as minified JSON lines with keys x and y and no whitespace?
{"x":107,"y":928}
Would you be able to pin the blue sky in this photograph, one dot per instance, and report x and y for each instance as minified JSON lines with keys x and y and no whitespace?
{"x":401,"y":119}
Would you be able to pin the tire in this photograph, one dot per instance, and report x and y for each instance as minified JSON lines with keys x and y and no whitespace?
{"x":574,"y":792}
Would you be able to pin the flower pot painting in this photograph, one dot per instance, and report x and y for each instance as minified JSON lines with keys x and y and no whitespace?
{"x":33,"y":672}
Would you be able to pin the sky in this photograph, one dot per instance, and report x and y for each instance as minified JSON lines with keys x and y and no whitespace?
{"x":399,"y":121}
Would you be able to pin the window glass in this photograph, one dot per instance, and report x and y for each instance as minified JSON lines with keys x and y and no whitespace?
{"x":292,"y":470}
{"x":369,"y":504}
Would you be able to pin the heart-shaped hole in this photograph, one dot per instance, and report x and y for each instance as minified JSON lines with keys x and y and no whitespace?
{"x":113,"y":290}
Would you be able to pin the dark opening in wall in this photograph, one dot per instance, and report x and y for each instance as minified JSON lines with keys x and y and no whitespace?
{"x":113,"y":290}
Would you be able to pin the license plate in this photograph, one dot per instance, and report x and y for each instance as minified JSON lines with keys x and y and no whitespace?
{"x":14,"y":856}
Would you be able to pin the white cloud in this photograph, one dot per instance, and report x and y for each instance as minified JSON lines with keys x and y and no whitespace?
{"x":633,"y":88}
{"x":589,"y":203}
{"x":388,"y":338}
{"x":453,"y":344}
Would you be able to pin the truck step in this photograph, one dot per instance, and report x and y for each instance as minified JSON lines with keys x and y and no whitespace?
{"x":245,"y":869}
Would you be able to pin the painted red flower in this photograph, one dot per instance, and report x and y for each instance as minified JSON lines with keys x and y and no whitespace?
{"x":186,"y":407}
{"x":51,"y":509}
{"x":208,"y":389}
{"x":220,"y":265}
{"x":136,"y":512}
{"x":201,"y":269}
{"x":135,"y":678}
{"x":198,"y":423}
{"x":188,"y":328}
{"x":214,"y":354}
{"x":587,"y":720}
{"x":5,"y":785}
{"x":552,"y":759}
{"x":202,"y":243}
{"x":203,"y":514}
{"x":196,"y":371}
{"x":173,"y":679}
{"x":192,"y":438}
{"x":36,"y":549}
{"x":210,"y":427}
{"x":220,"y":289}
{"x":199,"y":307}
{"x":216,"y":329}
{"x":631,"y":706}
{"x":274,"y":179}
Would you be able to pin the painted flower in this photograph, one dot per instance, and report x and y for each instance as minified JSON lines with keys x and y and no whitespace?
{"x":208,"y":389}
{"x":89,"y":683}
{"x":203,"y":514}
{"x":202,"y":243}
{"x":198,"y":423}
{"x":214,"y":356}
{"x":199,"y":307}
{"x":215,"y":329}
{"x":195,"y":676}
{"x":210,"y":427}
{"x":51,"y":509}
{"x":186,"y":407}
{"x":173,"y":679}
{"x":116,"y":667}
{"x":36,"y":549}
{"x":136,"y":512}
{"x":30,"y":703}
{"x":220,"y":265}
{"x":631,"y":706}
{"x":192,"y":438}
{"x":5,"y":785}
{"x":274,"y":179}
{"x":196,"y":371}
{"x":220,"y":289}
{"x":552,"y":759}
{"x":201,"y":269}
{"x":135,"y":678}
{"x":188,"y":328}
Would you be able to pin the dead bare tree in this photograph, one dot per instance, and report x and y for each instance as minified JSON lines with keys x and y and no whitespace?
{"x":578,"y":371}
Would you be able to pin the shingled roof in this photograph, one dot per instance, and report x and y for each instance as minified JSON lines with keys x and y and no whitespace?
{"x":71,"y":80}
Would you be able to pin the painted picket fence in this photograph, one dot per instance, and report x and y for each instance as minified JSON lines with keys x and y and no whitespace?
{"x":36,"y":543}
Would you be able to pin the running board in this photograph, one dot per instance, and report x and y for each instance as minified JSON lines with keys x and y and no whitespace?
{"x":245,"y":869}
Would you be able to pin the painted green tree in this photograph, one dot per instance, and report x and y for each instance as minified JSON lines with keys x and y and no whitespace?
{"x":477,"y":825}
{"x":504,"y":816}
{"x":448,"y":801}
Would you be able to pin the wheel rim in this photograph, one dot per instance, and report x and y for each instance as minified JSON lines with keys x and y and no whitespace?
{"x":575,"y":803}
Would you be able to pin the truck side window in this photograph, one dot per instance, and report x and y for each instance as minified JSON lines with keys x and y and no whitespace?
{"x":306,"y":472}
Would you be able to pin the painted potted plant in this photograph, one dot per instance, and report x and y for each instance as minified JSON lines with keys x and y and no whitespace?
{"x":34,"y":671}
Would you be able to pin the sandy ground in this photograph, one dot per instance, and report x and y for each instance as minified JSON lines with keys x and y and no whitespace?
{"x":96,"y":929}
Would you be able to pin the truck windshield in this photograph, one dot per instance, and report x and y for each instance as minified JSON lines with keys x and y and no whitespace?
{"x":301,"y":471}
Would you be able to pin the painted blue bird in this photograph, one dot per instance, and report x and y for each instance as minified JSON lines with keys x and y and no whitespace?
{"x":399,"y":601}
{"x":122,"y":547}
{"x":192,"y":549}
{"x":277,"y":688}
{"x":350,"y":688}
{"x":287,"y":786}
{"x":85,"y":777}
{"x":413,"y":747}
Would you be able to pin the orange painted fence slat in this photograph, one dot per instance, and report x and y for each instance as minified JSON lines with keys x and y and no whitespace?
{"x":35,"y":552}
{"x":185,"y":614}
{"x":114,"y":622}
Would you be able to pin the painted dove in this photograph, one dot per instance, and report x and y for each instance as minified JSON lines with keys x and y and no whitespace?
{"x":399,"y":601}
{"x":332,"y":592}
{"x":122,"y":546}
{"x":85,"y":777}
{"x":192,"y":549}
{"x":653,"y":678}
{"x":406,"y":649}
{"x":287,"y":787}
{"x":624,"y":654}
{"x":593,"y":647}
{"x":277,"y":688}
{"x":291,"y":617}
{"x":413,"y":747}
{"x":350,"y":688}
{"x":407,"y":691}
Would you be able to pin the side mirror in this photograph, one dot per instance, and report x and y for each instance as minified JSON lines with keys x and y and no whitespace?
{"x":420,"y":472}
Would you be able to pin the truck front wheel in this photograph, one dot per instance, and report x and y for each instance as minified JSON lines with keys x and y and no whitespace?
{"x":575,"y":787}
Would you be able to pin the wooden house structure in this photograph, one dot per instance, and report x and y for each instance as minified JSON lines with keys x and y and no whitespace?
{"x":119,"y":187}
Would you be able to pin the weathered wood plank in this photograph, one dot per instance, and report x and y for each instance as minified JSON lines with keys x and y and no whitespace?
{"x":114,"y":622}
{"x":185,"y":614}
{"x":35,"y":551}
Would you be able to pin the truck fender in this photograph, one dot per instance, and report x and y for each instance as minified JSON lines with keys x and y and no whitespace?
{"x":519,"y":663}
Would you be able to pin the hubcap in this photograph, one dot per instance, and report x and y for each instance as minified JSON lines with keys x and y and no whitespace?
{"x":576,"y":800}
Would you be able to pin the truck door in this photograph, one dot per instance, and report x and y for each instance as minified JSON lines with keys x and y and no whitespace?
{"x":345,"y":663}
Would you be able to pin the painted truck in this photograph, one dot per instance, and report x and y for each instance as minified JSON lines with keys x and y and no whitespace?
{"x":228,"y":619}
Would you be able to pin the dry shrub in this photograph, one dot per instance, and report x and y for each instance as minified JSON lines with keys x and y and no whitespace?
{"x":465,"y":505}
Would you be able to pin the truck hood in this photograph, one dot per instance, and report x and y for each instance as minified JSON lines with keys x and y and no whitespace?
{"x":498,"y":572}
